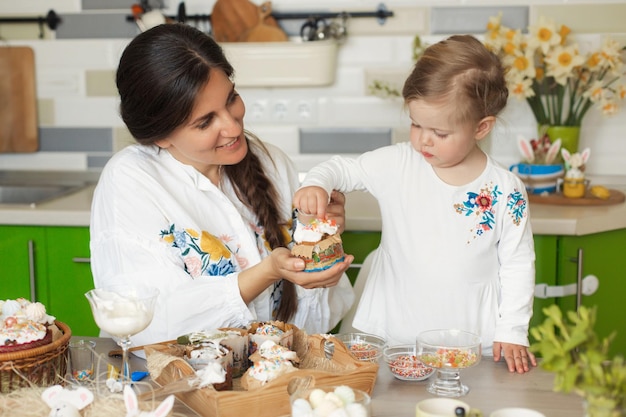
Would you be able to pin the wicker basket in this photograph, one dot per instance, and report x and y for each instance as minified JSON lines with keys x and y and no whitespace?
{"x":40,"y":366}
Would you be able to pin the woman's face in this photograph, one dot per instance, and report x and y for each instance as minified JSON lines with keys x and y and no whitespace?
{"x":213,"y":135}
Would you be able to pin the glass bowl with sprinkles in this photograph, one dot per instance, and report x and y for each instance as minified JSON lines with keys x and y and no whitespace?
{"x":364,"y":346}
{"x":448,"y":351}
{"x":403,"y":363}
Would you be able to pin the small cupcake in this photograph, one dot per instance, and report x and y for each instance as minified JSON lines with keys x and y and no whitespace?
{"x":318,"y":244}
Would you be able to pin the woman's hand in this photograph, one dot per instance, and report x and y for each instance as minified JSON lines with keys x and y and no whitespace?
{"x":292,"y":269}
{"x":517,"y":357}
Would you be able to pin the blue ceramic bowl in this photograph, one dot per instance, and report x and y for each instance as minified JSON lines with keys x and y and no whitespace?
{"x":538,"y":178}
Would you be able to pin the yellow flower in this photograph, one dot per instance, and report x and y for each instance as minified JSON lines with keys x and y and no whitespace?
{"x":595,"y":92}
{"x":609,"y":107}
{"x":558,"y":81}
{"x":561,"y":62}
{"x":192,"y":233}
{"x":544,"y":35}
{"x":213,"y":246}
{"x":520,"y":87}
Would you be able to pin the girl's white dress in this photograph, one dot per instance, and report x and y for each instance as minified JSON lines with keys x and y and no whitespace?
{"x":450,"y":256}
{"x":158,"y":222}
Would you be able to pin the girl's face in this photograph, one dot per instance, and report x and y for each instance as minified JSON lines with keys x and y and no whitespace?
{"x":213,"y":135}
{"x":442,"y":143}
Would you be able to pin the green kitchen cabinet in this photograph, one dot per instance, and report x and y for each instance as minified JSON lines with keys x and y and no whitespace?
{"x":600,"y":255}
{"x":51,"y":265}
{"x":69,"y":278}
{"x":359,"y":244}
{"x":22,"y":258}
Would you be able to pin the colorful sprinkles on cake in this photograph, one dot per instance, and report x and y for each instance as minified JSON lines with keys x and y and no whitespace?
{"x":269,"y":330}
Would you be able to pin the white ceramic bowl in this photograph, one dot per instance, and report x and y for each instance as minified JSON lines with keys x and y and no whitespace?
{"x":404,"y":365}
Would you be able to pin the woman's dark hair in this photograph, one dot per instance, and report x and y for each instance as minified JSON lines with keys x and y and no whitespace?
{"x":159,"y":76}
{"x":462,"y":69}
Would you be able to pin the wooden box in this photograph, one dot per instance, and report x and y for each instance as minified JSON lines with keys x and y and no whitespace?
{"x":272,"y":399}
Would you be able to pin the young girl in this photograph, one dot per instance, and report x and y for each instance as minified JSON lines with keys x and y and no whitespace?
{"x":457,"y":248}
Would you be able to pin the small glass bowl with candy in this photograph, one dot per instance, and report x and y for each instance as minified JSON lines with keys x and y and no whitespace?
{"x":404,"y":365}
{"x":364,"y":346}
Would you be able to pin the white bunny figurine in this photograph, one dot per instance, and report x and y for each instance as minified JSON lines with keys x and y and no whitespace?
{"x":66,"y":402}
{"x":132,"y":405}
{"x":574,"y":162}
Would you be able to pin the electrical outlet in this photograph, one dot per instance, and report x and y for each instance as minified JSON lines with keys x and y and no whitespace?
{"x":306,"y":111}
{"x":281,"y":111}
{"x":259,"y":111}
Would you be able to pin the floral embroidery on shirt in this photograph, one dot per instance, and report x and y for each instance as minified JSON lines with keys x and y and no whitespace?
{"x":517,"y":207}
{"x":481,"y":205}
{"x":202,"y":252}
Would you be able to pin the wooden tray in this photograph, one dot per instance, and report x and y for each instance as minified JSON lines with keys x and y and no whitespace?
{"x":558,"y":198}
{"x":272,"y":399}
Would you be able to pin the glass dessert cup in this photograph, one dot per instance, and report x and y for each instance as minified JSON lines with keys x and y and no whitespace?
{"x":448,"y":351}
{"x":123,"y":311}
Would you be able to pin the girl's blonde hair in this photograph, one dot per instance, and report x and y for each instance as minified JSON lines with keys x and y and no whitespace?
{"x":459,"y":70}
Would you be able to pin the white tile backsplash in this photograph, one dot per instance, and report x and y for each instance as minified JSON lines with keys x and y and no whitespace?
{"x":61,"y":67}
{"x":87,"y":112}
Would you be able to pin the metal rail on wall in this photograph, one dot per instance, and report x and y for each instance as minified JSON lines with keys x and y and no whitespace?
{"x":381,"y":14}
{"x":52,"y":20}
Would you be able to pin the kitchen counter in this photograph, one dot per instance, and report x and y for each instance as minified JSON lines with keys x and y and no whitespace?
{"x":362,"y":213}
{"x":491,"y":387}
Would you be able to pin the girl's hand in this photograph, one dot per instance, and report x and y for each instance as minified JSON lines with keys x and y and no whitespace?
{"x":292,"y":269}
{"x":517,"y":357}
{"x":311,"y":201}
{"x":336,"y":210}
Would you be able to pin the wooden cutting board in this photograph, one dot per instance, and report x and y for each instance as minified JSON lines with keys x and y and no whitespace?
{"x":616,"y":197}
{"x":18,"y":100}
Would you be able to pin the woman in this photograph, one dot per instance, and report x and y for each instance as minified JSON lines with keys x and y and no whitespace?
{"x":199,"y":208}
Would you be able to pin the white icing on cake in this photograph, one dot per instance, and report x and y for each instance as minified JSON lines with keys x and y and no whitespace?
{"x":314,"y":230}
{"x":22,"y":322}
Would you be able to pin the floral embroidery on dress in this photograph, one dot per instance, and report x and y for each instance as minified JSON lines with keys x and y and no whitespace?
{"x":481,"y":205}
{"x":517,"y":207}
{"x":202,"y":252}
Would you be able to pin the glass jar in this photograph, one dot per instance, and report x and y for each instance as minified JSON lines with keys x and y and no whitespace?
{"x":574,"y":187}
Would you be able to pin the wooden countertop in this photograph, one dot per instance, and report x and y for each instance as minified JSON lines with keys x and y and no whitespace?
{"x":362,"y":213}
{"x":491,"y":387}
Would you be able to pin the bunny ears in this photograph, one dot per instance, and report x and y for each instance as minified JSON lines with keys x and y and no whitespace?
{"x":68,"y":402}
{"x":575,"y":161}
{"x":538,"y":151}
{"x":132,"y":405}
